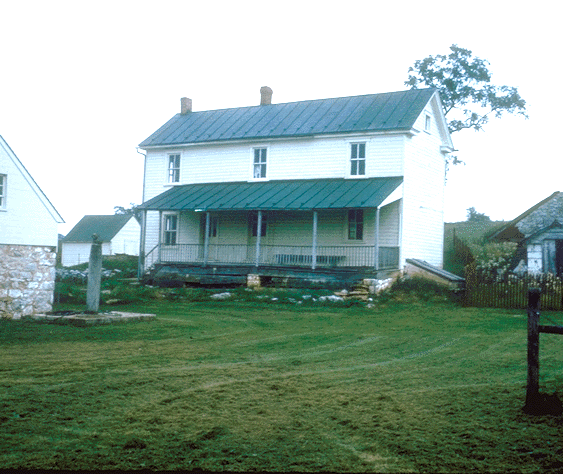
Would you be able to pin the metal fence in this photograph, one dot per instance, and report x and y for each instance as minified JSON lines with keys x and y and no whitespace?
{"x":511,"y":291}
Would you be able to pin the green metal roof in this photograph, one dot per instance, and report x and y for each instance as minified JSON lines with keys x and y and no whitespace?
{"x":392,"y":111}
{"x":276,"y":195}
{"x":106,"y":227}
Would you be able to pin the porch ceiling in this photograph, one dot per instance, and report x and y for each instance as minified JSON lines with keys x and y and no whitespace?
{"x":276,"y":195}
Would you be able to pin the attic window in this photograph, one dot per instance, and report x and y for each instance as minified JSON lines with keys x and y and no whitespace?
{"x":427,"y":123}
{"x":3,"y":179}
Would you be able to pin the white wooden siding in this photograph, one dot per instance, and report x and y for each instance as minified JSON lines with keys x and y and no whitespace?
{"x":126,"y":241}
{"x":75,"y":253}
{"x":294,"y":159}
{"x":26,"y":219}
{"x":423,"y":194}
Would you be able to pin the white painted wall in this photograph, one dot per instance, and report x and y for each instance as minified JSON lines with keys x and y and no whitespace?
{"x":535,"y":258}
{"x":75,"y":253}
{"x":423,"y":193}
{"x":126,"y":241}
{"x":311,"y":158}
{"x":27,"y":218}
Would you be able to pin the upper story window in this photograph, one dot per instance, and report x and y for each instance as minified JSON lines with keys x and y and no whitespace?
{"x":254,"y":224}
{"x":174,"y":168}
{"x":170,"y":229}
{"x":355,"y":224}
{"x":259,"y":163}
{"x":3,"y":183}
{"x":357,"y":159}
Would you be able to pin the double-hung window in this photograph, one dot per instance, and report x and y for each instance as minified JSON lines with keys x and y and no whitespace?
{"x":357,"y":159}
{"x":174,"y":168}
{"x":170,"y":229}
{"x":355,"y":224}
{"x":259,"y":163}
{"x":3,"y":183}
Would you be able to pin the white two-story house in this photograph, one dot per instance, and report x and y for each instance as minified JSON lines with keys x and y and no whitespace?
{"x":28,"y":240}
{"x":351,"y":184}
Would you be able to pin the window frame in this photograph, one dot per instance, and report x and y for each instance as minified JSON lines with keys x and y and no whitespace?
{"x":354,"y":225}
{"x":167,"y":234}
{"x":173,"y":173}
{"x":262,"y":150}
{"x":3,"y":191}
{"x":357,"y":163}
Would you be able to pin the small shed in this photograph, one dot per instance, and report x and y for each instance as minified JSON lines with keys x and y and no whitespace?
{"x":120,"y":234}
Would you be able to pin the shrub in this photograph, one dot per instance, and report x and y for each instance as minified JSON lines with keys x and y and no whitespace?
{"x":417,"y":288}
{"x":493,"y":260}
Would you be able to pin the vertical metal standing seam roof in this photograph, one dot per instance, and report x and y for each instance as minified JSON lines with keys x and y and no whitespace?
{"x":392,"y":111}
{"x":307,"y":194}
{"x":106,"y":227}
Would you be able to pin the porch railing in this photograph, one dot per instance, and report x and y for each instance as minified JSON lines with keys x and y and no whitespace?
{"x":274,"y":255}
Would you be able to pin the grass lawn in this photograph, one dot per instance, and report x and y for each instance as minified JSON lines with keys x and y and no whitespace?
{"x":223,"y":385}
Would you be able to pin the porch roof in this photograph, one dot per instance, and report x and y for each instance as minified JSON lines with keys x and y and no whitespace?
{"x":307,"y":194}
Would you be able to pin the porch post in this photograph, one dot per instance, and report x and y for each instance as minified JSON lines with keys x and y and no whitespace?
{"x":141,"y":265}
{"x":206,"y":239}
{"x":376,"y":243}
{"x":160,"y":235}
{"x":258,"y":235}
{"x":314,"y":248}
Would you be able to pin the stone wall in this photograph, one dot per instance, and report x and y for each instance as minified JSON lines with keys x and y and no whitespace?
{"x":27,"y":280}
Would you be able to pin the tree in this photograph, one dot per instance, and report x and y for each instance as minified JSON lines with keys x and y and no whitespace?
{"x":131,"y":211}
{"x":474,"y":216}
{"x":123,"y":210}
{"x":465,"y":89}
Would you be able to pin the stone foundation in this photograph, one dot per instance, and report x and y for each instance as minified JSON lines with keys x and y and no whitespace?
{"x":27,"y":280}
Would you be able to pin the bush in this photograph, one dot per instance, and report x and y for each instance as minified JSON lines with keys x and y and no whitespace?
{"x":419,"y":289}
{"x":493,"y":260}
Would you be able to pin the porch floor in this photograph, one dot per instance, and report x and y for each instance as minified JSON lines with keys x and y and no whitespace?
{"x":182,"y":274}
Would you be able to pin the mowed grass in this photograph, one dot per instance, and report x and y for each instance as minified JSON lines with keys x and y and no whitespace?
{"x":402,"y":387}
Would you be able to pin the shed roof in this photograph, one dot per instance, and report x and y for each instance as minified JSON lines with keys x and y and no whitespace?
{"x":106,"y":227}
{"x":392,"y":111}
{"x":276,"y":195}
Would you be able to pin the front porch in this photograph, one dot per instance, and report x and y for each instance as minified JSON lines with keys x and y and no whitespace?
{"x":307,"y":257}
{"x":304,"y":227}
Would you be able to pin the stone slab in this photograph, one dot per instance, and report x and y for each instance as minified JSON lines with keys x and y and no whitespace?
{"x":85,"y":319}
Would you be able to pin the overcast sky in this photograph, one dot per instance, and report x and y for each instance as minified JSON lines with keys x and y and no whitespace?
{"x":82,"y":83}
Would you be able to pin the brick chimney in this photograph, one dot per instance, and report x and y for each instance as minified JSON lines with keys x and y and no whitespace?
{"x":265,"y":95}
{"x":186,"y":105}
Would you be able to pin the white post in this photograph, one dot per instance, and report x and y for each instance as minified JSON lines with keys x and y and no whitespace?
{"x":314,"y":249}
{"x":206,"y":239}
{"x":258,"y":235}
{"x":142,"y":244}
{"x":376,"y":243}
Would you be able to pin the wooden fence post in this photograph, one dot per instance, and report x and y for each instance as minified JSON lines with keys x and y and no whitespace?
{"x":533,"y":386}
